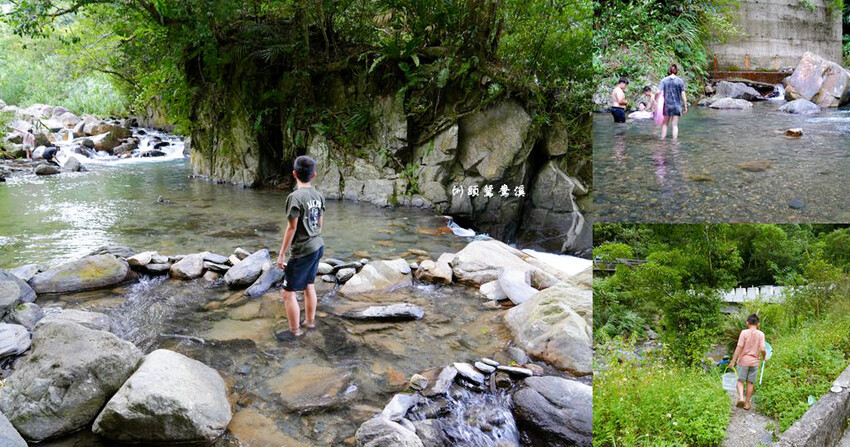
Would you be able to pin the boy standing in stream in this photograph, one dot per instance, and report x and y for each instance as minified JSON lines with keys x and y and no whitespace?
{"x":750,"y":351}
{"x":305,"y":209}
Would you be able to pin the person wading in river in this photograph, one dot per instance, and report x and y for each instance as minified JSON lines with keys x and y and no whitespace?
{"x":305,"y":208}
{"x":750,"y":351}
{"x":675,"y":101}
{"x":618,"y":101}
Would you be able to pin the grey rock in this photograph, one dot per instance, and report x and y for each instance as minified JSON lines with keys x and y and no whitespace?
{"x":46,"y":169}
{"x":492,"y":291}
{"x":169,"y":398}
{"x":333,"y":262}
{"x":211,"y":276}
{"x":266,"y":281}
{"x":388,"y":312}
{"x":431,"y":434}
{"x":418,"y":382}
{"x":246,"y":271}
{"x":219,"y":268}
{"x":25,"y":272}
{"x":800,"y":107}
{"x":13,"y":291}
{"x":378,"y":276}
{"x":91,"y":320}
{"x":521,"y":372}
{"x":9,"y":437}
{"x":345,"y":274}
{"x":141,"y":259}
{"x":399,"y":405}
{"x":737,"y":90}
{"x":485,"y":368}
{"x":61,"y":386}
{"x":490,"y":362}
{"x":796,"y":204}
{"x":27,"y":315}
{"x":329,"y":278}
{"x":241,"y":253}
{"x":158,"y":269}
{"x":14,"y":339}
{"x":443,"y":383}
{"x":554,"y":411}
{"x":190,"y":267}
{"x":325,"y":268}
{"x":513,"y":283}
{"x":819,"y":80}
{"x":214,"y":258}
{"x":115,"y":250}
{"x":730,"y":103}
{"x":91,"y":272}
{"x":468,"y":372}
{"x":380,"y":432}
{"x":73,"y":165}
{"x":518,"y":355}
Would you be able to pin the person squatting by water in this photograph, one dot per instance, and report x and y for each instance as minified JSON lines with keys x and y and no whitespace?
{"x":748,"y":353}
{"x":305,"y":208}
{"x":618,"y":101}
{"x":675,"y":102}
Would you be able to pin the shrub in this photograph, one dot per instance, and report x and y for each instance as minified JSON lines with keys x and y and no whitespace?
{"x":691,"y":323}
{"x":612,"y":251}
{"x":650,"y":402}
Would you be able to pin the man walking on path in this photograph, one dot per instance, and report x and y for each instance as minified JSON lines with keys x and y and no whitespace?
{"x":748,"y":353}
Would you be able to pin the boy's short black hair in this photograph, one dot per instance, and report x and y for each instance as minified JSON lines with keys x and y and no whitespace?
{"x":646,"y":88}
{"x":304,"y":168}
{"x":623,"y":81}
{"x":753,"y":319}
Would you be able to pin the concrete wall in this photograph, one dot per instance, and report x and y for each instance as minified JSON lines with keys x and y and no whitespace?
{"x":823,"y":425}
{"x":783,"y":27}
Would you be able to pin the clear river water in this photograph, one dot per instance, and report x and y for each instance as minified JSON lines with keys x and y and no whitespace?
{"x":47,"y":220}
{"x":703,"y":175}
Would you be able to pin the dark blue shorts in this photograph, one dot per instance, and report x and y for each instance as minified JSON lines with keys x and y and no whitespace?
{"x":619,"y":114}
{"x":300,"y":272}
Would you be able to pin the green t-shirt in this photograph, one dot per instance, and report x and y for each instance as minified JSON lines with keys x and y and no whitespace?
{"x":307,"y":205}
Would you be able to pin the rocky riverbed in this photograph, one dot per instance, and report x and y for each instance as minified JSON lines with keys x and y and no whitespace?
{"x":438,"y":339}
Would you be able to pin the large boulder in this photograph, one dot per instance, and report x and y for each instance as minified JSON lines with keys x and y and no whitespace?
{"x":27,"y":315}
{"x":737,"y":90}
{"x":91,"y":272}
{"x":555,"y":412}
{"x":514,"y":283}
{"x":387,"y":312}
{"x":46,"y":169}
{"x":378,"y":276}
{"x":92,"y":320}
{"x":482,"y":261}
{"x":170,"y":398}
{"x":266,"y":281}
{"x":9,"y":437}
{"x":820,"y":81}
{"x":14,"y":339}
{"x":731,"y":104}
{"x":248,"y":270}
{"x":800,"y":107}
{"x":13,"y":291}
{"x":556,"y":326}
{"x":491,"y":140}
{"x":381,"y":432}
{"x":67,"y":378}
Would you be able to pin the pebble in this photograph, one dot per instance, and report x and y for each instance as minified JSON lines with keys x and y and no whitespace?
{"x":467,"y":371}
{"x":525,"y":372}
{"x":490,"y":362}
{"x":796,"y":204}
{"x":418,"y":382}
{"x":329,"y":278}
{"x":345,"y":274}
{"x":241,"y":253}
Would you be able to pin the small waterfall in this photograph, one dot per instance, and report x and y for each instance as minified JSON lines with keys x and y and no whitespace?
{"x":778,"y":94}
{"x":477,"y":419}
{"x":153,"y":145}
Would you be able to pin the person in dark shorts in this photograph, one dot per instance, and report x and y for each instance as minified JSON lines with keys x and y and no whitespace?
{"x":49,"y":155}
{"x":305,"y":208}
{"x":675,"y":101}
{"x":619,"y":101}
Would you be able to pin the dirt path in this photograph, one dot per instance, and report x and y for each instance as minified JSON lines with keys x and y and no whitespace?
{"x":748,"y":428}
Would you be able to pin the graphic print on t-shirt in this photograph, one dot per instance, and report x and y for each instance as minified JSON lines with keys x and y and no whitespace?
{"x":313,"y":213}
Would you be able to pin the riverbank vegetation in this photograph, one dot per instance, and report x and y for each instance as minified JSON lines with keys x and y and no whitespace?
{"x":172,"y":53}
{"x":663,"y":311}
{"x":639,"y":39}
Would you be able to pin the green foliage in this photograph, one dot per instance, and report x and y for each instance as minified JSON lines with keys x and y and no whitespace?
{"x":650,"y":402}
{"x":612,"y":251}
{"x":805,"y":362}
{"x":44,"y":70}
{"x":691,"y":321}
{"x":639,"y":39}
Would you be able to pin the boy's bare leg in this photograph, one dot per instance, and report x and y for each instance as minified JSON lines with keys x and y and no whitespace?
{"x":674,"y":120}
{"x":740,"y":386}
{"x":310,"y":303}
{"x":750,"y":390}
{"x":664,"y":127}
{"x":293,"y":312}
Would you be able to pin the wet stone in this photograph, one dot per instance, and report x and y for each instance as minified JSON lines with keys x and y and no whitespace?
{"x":485,"y":368}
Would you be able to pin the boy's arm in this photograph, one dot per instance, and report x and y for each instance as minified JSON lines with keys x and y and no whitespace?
{"x":288,"y":234}
{"x":685,"y":101}
{"x":735,"y":356}
{"x":321,"y":222}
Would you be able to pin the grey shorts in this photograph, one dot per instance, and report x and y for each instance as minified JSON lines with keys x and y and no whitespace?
{"x":672,"y":109}
{"x":747,"y":373}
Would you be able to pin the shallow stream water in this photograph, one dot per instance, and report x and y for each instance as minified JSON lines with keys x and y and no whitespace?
{"x":57,"y":218}
{"x":639,"y":177}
